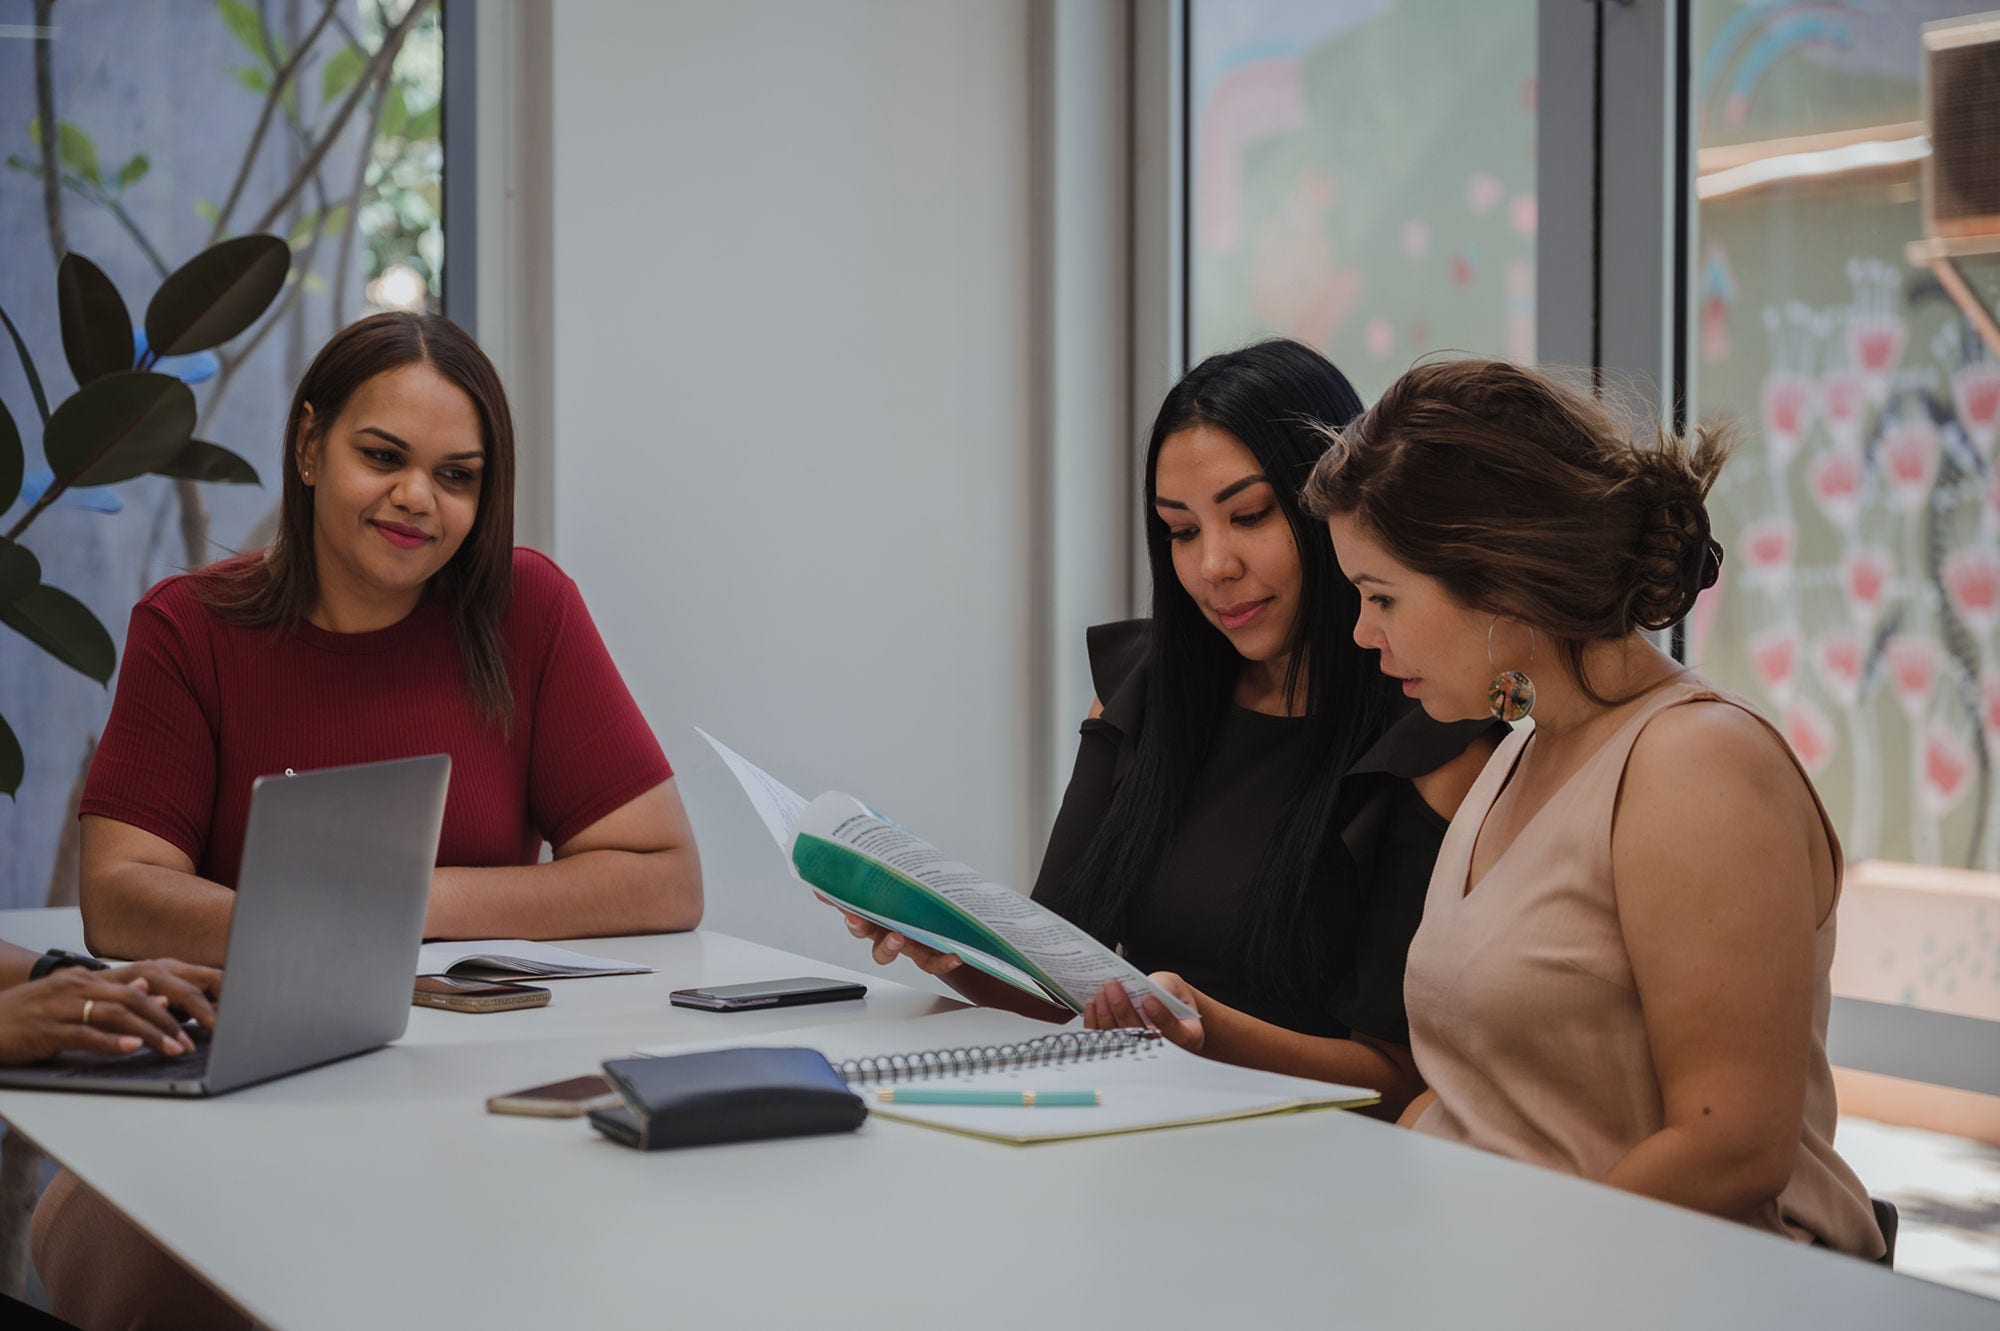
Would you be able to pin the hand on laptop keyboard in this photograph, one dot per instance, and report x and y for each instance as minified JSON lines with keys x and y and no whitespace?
{"x":105,"y":1012}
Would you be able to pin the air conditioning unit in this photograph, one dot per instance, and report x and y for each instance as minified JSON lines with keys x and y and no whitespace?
{"x":1962,"y":109}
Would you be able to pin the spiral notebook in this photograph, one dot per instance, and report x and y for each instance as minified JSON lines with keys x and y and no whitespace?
{"x":1144,"y":1082}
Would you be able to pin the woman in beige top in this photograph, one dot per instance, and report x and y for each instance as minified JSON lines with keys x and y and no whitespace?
{"x":1622,"y":967}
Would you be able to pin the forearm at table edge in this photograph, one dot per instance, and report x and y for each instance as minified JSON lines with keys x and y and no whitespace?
{"x":134,"y":911}
{"x":590,"y":894}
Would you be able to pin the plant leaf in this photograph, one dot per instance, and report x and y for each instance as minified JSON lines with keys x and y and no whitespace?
{"x":12,"y":459}
{"x":395,"y":114}
{"x":203,"y":461}
{"x":253,"y":78}
{"x":217,"y":294}
{"x":207,"y":211}
{"x":74,"y":149}
{"x":134,"y":171}
{"x":341,"y":69}
{"x":63,"y":627}
{"x":20,"y":571}
{"x":118,"y":427}
{"x":12,"y":765}
{"x":27,"y":366}
{"x":242,"y":21}
{"x":96,"y":330}
{"x":426,"y":123}
{"x":16,"y":162}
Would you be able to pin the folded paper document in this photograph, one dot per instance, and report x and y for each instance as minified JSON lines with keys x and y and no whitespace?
{"x":516,"y":959}
{"x":866,"y":864}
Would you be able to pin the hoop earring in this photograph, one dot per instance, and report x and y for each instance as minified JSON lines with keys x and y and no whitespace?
{"x":1511,"y":695}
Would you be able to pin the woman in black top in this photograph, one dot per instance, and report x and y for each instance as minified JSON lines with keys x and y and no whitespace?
{"x":1253,"y":810}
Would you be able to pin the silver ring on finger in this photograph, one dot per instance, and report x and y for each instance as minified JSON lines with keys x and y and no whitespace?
{"x":88,"y":1004}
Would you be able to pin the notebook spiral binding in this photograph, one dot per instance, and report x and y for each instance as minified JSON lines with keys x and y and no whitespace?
{"x":1043,"y":1051}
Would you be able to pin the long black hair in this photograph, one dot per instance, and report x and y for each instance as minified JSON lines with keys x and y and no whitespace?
{"x":1278,"y":398}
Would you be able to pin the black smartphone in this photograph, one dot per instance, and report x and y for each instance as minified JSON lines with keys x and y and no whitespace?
{"x":456,"y":994}
{"x":767,"y":993}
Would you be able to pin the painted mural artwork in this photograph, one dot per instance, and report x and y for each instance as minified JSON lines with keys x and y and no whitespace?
{"x":1375,"y":238}
{"x":1863,"y":511}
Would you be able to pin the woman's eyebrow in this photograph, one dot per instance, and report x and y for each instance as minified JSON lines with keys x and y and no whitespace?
{"x":1227,"y":492}
{"x":380,"y":433}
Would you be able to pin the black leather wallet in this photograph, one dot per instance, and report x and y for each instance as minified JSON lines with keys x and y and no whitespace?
{"x":726,"y":1095}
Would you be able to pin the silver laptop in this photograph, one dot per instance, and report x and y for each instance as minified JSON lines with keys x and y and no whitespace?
{"x":322,"y":943}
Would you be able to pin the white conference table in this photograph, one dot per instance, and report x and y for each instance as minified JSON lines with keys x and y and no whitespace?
{"x":378,"y":1193}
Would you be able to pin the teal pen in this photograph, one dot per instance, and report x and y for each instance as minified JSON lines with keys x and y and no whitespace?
{"x":941,"y":1095}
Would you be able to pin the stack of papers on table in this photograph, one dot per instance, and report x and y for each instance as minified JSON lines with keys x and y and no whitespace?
{"x":516,"y":959}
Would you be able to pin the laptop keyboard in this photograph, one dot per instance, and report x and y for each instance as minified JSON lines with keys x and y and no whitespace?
{"x":143,"y":1065}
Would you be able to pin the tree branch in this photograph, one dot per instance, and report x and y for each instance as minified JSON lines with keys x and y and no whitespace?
{"x":344,"y":255}
{"x":279,"y":83}
{"x":392,"y":42}
{"x":45,"y":111}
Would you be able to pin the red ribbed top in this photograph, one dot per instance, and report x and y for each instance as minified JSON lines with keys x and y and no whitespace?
{"x":203,"y":708}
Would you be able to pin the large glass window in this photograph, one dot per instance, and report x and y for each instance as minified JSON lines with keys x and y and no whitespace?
{"x":177,"y":123}
{"x":1861,"y":600}
{"x":1359,"y":183}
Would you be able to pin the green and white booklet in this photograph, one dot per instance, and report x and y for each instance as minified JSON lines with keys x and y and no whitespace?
{"x":864,"y":863}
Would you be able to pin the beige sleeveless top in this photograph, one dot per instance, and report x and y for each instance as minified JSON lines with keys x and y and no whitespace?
{"x":1524,"y":1017}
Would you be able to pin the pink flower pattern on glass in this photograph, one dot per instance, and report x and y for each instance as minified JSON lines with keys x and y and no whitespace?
{"x":1975,"y":391}
{"x":1912,"y":670}
{"x":1837,"y":656}
{"x":1865,"y":571}
{"x":1835,"y":477}
{"x":1767,"y":547}
{"x":1843,"y":398}
{"x":1989,"y":704}
{"x":1810,"y":734}
{"x":1788,"y":408}
{"x":1947,"y":765}
{"x":1972,"y":582}
{"x":1875,"y":342}
{"x":1910,"y":460}
{"x":1775,"y":655}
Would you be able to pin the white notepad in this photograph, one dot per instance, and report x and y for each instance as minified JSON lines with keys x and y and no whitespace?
{"x":517,"y":959}
{"x":1144,"y":1083}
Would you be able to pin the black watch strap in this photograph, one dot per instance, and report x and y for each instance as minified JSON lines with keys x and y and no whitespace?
{"x":56,"y":958}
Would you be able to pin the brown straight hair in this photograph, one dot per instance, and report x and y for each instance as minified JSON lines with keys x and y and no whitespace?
{"x":1529,"y":499}
{"x":280,"y":590}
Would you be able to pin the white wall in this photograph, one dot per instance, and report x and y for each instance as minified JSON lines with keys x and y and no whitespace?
{"x":792,"y":273}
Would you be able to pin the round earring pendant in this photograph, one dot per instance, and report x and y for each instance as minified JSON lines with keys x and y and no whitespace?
{"x":1511,"y":696}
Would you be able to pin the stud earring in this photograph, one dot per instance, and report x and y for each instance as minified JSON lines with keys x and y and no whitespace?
{"x":1511,"y":695}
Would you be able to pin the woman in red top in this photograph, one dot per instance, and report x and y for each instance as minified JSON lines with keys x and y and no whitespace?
{"x":392,"y":616}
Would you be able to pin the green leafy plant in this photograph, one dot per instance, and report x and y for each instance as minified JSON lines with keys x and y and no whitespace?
{"x":124,"y":420}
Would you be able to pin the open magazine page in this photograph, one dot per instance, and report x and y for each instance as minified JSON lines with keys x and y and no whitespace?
{"x":902,"y":876}
{"x":778,"y":807}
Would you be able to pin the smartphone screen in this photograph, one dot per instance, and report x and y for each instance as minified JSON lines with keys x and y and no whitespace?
{"x":769,"y":993}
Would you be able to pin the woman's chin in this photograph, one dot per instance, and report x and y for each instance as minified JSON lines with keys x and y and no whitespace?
{"x":1440,"y":710}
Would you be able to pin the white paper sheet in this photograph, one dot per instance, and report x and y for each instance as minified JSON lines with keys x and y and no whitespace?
{"x":775,"y":802}
{"x":520,"y":956}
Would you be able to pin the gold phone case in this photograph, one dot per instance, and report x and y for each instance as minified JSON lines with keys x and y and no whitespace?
{"x":479,"y":1003}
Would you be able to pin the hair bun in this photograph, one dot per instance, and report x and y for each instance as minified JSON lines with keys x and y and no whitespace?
{"x":1678,"y":560}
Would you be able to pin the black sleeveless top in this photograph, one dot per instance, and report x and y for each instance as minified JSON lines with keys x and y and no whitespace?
{"x":1187,"y":918}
